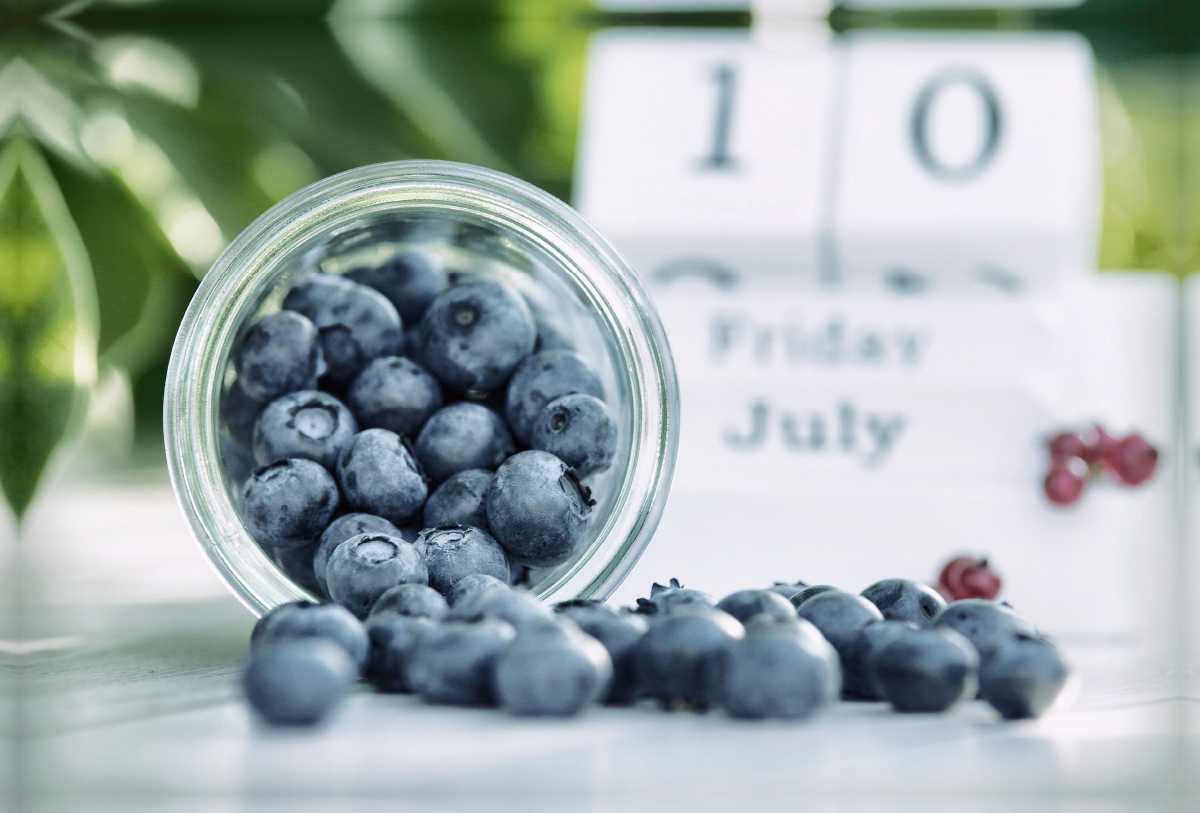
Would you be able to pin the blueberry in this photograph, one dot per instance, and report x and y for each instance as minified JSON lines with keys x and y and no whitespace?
{"x":619,"y":632}
{"x":410,"y":281}
{"x":363,"y":567}
{"x":357,"y":324}
{"x":858,"y":656}
{"x":927,"y":670}
{"x":787,"y":590}
{"x":745,"y":604}
{"x":664,"y":597}
{"x":514,"y":606}
{"x":410,"y":599}
{"x":461,"y":500}
{"x":297,"y":563}
{"x":540,"y":379}
{"x":672,"y":657}
{"x":306,"y":296}
{"x":1022,"y":676}
{"x":808,"y":592}
{"x":393,"y":638}
{"x":781,"y":669}
{"x":985,"y":623}
{"x":379,"y":476}
{"x":454,"y":552}
{"x":473,"y":335}
{"x":469,"y":584}
{"x":552,"y":669}
{"x":452,"y":662}
{"x":305,"y":619}
{"x":309,"y":424}
{"x":459,"y":437}
{"x":537,"y":509}
{"x":281,"y":353}
{"x":579,"y":430}
{"x":338,"y":532}
{"x":905,"y":600}
{"x":836,"y":614}
{"x":298,"y":682}
{"x":240,"y":412}
{"x":395,"y":394}
{"x":288,"y":503}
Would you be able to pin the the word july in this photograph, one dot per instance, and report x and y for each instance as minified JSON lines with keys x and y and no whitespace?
{"x":867,"y":436}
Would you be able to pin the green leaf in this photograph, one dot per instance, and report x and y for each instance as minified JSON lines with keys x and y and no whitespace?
{"x":47,"y":318}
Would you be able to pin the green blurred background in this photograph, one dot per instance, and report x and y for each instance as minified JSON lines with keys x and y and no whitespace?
{"x":140,"y":136}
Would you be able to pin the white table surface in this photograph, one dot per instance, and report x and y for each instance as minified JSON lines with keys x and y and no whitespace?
{"x":128,"y":652}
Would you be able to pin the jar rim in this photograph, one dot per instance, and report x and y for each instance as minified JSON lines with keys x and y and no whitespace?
{"x":236,"y":282}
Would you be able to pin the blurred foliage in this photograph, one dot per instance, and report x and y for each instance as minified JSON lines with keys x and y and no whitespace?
{"x":157,"y":130}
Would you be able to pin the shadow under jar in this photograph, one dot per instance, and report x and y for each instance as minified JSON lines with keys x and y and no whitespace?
{"x":478,"y":223}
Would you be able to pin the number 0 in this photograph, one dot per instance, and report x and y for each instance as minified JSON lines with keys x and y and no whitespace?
{"x":919,"y":124}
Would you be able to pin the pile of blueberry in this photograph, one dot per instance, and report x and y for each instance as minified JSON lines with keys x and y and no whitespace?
{"x":413,"y":426}
{"x":1078,"y":457}
{"x":781,"y":652}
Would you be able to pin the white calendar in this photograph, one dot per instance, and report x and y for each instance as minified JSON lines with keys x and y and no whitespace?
{"x":874,"y":258}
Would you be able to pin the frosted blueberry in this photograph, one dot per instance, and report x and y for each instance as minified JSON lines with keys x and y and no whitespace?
{"x":288,"y":503}
{"x":985,"y":623}
{"x":363,"y":567}
{"x":459,"y":437}
{"x":579,"y":430}
{"x":379,"y":476}
{"x":745,"y":604}
{"x":858,"y":654}
{"x":671,"y":659}
{"x":454,"y":552}
{"x":305,"y":619}
{"x":469,"y":584}
{"x":809,"y":591}
{"x":297,"y":563}
{"x":788,"y":590}
{"x":927,"y":670}
{"x":514,"y":606}
{"x":452,"y":662}
{"x":461,"y":500}
{"x":410,"y":281}
{"x":309,"y":424}
{"x":298,"y":682}
{"x":410,"y":599}
{"x":619,"y":632}
{"x":540,"y":379}
{"x":1022,"y":676}
{"x":537,"y":509}
{"x":339,"y":531}
{"x":395,"y":394}
{"x":836,"y":614}
{"x":551,"y":669}
{"x":905,"y":600}
{"x":393,"y":638}
{"x":240,"y":412}
{"x":665,"y":596}
{"x":281,"y":353}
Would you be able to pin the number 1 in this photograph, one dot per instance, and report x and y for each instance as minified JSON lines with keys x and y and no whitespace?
{"x":719,"y":158}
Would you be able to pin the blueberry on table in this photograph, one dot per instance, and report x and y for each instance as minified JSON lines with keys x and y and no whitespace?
{"x":514,"y":606}
{"x":454,"y":552}
{"x":357,"y":324}
{"x":786,"y":590}
{"x":339,"y":531}
{"x":552,"y":669}
{"x":579,"y":430}
{"x":288,"y":503}
{"x":470,"y":584}
{"x":745,"y":604}
{"x":281,"y":353}
{"x":671,"y":659}
{"x":537,"y":509}
{"x":927,"y":670}
{"x":540,"y":379}
{"x":459,"y":437}
{"x":298,"y":682}
{"x":1022,"y":677}
{"x":473,"y":335}
{"x":858,"y":652}
{"x":309,"y":424}
{"x":410,"y":281}
{"x":297,"y":563}
{"x":392,"y":640}
{"x":619,"y":633}
{"x":363,"y":567}
{"x":779,"y":670}
{"x":836,"y":614}
{"x":395,"y":394}
{"x":453,"y":661}
{"x":808,"y":592}
{"x":305,"y":619}
{"x":461,"y":500}
{"x":410,"y":599}
{"x":905,"y":600}
{"x":985,"y":623}
{"x":379,"y":476}
{"x":665,"y":596}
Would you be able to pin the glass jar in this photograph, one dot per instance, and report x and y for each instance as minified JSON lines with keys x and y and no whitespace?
{"x":480,"y":222}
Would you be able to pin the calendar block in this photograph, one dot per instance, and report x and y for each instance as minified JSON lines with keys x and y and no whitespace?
{"x":704,"y":153}
{"x":967,"y":160}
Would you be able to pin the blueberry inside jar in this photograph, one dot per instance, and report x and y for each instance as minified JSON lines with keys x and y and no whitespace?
{"x":406,"y":325}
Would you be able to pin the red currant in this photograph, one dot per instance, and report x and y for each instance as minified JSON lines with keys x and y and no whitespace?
{"x":1067,"y":444}
{"x":1132,"y":459}
{"x":967,"y":577}
{"x":1097,"y":444}
{"x":1064,"y":484}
